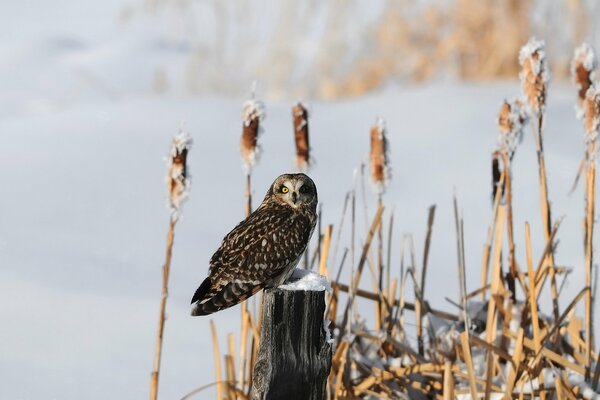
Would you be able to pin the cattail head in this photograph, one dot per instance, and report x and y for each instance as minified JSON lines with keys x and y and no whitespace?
{"x":582,"y":69}
{"x":300,"y":115}
{"x":535,"y":75}
{"x":178,"y":177}
{"x":511,"y":121}
{"x":380,"y":169}
{"x":591,"y":107}
{"x":253,"y":114}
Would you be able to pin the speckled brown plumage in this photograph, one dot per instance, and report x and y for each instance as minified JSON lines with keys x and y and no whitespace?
{"x":262,"y":250}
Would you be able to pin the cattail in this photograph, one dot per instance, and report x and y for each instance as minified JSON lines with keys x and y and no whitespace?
{"x":582,"y":69}
{"x":300,"y":115}
{"x":178,"y":177}
{"x":380,"y":169}
{"x":511,"y":121}
{"x":178,"y":186}
{"x":592,"y":112}
{"x":253,"y":114}
{"x":535,"y":75}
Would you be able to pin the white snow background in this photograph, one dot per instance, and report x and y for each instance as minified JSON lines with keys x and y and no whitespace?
{"x":83,"y":220}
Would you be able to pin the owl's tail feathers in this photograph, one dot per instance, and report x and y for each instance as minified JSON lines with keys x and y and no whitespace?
{"x":209,"y":299}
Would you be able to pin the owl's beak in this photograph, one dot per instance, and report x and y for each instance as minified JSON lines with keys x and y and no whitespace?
{"x":294,"y":197}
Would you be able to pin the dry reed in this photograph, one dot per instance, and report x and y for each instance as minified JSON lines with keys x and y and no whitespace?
{"x":178,"y":185}
{"x":511,"y":121}
{"x":535,"y":78}
{"x":300,"y":116}
{"x":591,"y":108}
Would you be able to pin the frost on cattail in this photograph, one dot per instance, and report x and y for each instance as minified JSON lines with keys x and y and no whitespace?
{"x":582,"y":69}
{"x":253,"y":114}
{"x":178,"y":177}
{"x":511,"y":121}
{"x":591,"y":107}
{"x":300,"y":115}
{"x":380,"y":169}
{"x":535,"y":75}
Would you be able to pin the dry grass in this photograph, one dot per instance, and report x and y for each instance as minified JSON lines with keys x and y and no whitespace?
{"x":500,"y":340}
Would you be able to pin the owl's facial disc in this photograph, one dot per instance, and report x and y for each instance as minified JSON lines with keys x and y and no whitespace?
{"x":294,"y":192}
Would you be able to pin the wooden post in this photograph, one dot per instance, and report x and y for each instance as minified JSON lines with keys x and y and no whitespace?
{"x":294,"y":357}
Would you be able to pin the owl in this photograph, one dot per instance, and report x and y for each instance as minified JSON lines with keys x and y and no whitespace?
{"x":263,"y":250}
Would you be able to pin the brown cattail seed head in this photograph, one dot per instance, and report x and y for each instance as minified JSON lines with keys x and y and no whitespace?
{"x":535,"y":75}
{"x":178,"y":178}
{"x":511,"y":121}
{"x":582,"y":69}
{"x":300,"y":115}
{"x":380,"y":169}
{"x":592,"y":112}
{"x":253,"y":114}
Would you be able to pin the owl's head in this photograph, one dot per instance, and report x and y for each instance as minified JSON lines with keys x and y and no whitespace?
{"x":295,"y":190}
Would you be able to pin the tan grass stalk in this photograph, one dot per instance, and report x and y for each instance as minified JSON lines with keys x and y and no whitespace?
{"x":511,"y":121}
{"x":178,"y":184}
{"x":217,"y":357}
{"x":300,"y":115}
{"x":535,"y":78}
{"x":583,"y":67}
{"x":592,"y":128}
{"x":466,"y":349}
{"x":448,"y":381}
{"x":325,"y":252}
{"x":380,"y":175}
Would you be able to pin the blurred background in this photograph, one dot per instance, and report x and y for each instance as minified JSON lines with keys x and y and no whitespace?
{"x":311,"y":49}
{"x":92,"y":92}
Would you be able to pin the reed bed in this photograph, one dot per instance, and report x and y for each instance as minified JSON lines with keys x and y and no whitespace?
{"x":501,"y":341}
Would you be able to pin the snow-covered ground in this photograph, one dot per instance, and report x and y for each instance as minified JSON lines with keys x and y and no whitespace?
{"x":83,"y":220}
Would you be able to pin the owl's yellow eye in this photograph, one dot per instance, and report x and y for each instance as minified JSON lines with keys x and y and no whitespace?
{"x":284,"y":189}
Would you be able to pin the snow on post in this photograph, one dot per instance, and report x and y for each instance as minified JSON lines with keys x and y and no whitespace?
{"x":583,"y":68}
{"x":294,"y":358}
{"x":300,"y":115}
{"x":178,"y":177}
{"x":252,"y":115}
{"x":535,"y":74}
{"x":380,"y":169}
{"x":511,"y":121}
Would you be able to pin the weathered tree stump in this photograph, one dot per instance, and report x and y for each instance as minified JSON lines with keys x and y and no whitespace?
{"x":294,"y":357}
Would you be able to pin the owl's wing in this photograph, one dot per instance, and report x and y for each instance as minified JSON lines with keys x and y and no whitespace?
{"x":251,"y":256}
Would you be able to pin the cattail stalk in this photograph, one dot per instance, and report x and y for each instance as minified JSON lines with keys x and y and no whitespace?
{"x":591,"y":107}
{"x":380,"y":176}
{"x":178,"y":184}
{"x":511,"y":121}
{"x":535,"y":78}
{"x":253,"y":113}
{"x":300,"y":116}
